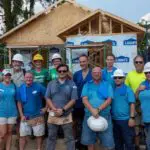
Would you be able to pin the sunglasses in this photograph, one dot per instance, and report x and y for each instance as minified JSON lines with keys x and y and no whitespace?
{"x":62,"y":71}
{"x":118,"y":78}
{"x":147,"y":73}
{"x":138,"y":62}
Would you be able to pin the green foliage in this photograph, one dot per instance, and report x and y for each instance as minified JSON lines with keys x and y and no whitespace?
{"x":3,"y":55}
{"x":13,"y":11}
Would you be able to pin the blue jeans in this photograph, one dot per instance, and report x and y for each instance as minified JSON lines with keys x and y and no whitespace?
{"x":123,"y":135}
{"x":106,"y":138}
{"x":147,"y":133}
{"x":52,"y":136}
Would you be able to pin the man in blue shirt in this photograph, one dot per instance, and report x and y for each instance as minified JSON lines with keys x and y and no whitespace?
{"x":80,"y":78}
{"x":123,"y":113}
{"x":97,"y":96}
{"x":107,"y":72}
{"x":30,"y":96}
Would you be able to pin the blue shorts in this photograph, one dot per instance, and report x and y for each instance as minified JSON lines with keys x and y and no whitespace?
{"x":89,"y":137}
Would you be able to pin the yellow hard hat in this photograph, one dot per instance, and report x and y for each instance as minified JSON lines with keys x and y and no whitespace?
{"x":37,"y":57}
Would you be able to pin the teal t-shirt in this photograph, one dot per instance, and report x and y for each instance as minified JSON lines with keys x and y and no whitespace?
{"x":108,"y":76}
{"x":144,"y":97}
{"x":41,"y":77}
{"x":8,"y":106}
{"x":97,"y":94}
{"x":123,"y":97}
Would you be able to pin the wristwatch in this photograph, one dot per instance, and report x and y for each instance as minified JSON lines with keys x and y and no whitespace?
{"x":63,"y":110}
{"x":132,"y":117}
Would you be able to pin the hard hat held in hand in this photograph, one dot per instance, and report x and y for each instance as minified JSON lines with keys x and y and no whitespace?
{"x":38,"y":57}
{"x":97,"y":124}
{"x":18,"y":57}
{"x":118,"y":73}
{"x":56,"y":56}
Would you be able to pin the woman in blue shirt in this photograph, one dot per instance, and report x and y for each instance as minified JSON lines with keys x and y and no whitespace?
{"x":143,"y":92}
{"x":8,"y":110}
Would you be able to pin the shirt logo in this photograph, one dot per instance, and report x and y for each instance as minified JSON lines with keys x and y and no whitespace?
{"x":74,"y":87}
{"x":1,"y":90}
{"x":34,"y":92}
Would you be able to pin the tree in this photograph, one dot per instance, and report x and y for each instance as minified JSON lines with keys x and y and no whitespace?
{"x":12,"y":10}
{"x":16,"y":11}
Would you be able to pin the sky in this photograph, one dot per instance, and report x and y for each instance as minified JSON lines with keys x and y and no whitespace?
{"x":131,"y":10}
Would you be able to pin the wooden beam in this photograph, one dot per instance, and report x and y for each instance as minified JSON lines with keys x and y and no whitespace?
{"x":121,"y":28}
{"x":90,"y":27}
{"x":100,"y":24}
{"x":110,"y":23}
{"x":9,"y":55}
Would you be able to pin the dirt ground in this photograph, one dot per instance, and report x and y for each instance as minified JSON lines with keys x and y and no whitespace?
{"x":60,"y":145}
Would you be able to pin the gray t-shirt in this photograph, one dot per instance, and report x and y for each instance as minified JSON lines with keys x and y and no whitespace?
{"x":61,"y":94}
{"x":17,"y":77}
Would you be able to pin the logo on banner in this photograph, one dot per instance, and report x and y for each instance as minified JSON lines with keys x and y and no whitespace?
{"x":130,"y":41}
{"x":68,"y":43}
{"x":122,"y":59}
{"x":86,"y":42}
{"x":114,"y":43}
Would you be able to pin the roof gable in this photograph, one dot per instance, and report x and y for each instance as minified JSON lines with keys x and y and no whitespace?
{"x":103,"y":22}
{"x":36,"y":16}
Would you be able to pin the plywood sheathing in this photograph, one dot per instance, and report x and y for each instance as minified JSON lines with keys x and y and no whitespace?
{"x":108,"y":24}
{"x":43,"y":29}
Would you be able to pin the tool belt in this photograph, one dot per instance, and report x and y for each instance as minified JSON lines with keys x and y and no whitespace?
{"x":36,"y":121}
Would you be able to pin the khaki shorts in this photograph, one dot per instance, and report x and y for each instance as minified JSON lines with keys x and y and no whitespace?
{"x":11,"y":120}
{"x":26,"y":129}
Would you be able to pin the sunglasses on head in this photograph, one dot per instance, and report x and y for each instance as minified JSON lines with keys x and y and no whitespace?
{"x":138,"y":62}
{"x":62,"y":71}
{"x":147,"y":72}
{"x":118,"y":78}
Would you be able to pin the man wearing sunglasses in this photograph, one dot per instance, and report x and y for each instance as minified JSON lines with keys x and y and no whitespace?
{"x":133,"y":80}
{"x":123,"y":113}
{"x":61,"y":95}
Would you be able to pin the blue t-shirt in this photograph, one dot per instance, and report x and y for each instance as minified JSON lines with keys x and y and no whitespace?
{"x":144,"y":97}
{"x":97,"y":94}
{"x":123,"y":97}
{"x":8,"y":106}
{"x":79,"y":81}
{"x":31,"y":98}
{"x":108,"y":76}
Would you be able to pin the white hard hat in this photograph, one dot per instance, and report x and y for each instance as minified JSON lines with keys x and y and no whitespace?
{"x":18,"y":57}
{"x":147,"y":67}
{"x":56,"y":56}
{"x":97,"y":124}
{"x":6,"y":71}
{"x":118,"y":73}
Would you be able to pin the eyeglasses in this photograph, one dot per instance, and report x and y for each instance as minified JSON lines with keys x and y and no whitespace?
{"x":118,"y":78}
{"x":62,"y":71}
{"x":147,"y":73}
{"x":138,"y":62}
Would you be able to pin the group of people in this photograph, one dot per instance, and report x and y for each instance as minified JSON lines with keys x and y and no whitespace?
{"x":69,"y":100}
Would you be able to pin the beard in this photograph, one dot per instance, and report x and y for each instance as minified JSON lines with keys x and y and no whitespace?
{"x":17,"y":67}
